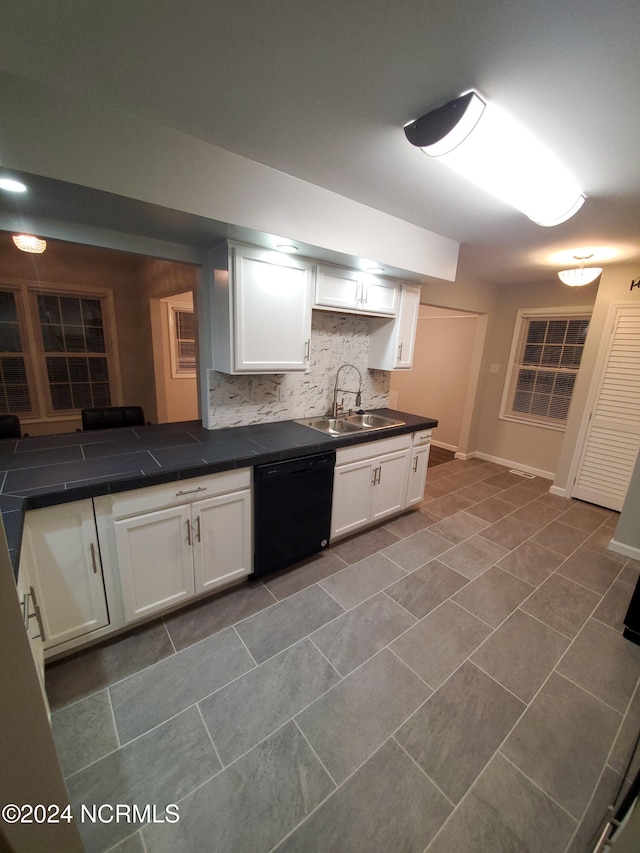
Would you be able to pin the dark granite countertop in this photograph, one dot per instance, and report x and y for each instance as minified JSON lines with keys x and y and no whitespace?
{"x":47,"y":470}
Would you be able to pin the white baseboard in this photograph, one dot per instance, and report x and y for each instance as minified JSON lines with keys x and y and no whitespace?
{"x":625,"y":550}
{"x":443,"y":446}
{"x":537,"y":472}
{"x":562,"y":493}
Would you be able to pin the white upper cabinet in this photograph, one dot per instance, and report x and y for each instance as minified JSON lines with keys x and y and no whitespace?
{"x":261,"y":311}
{"x":354,"y":292}
{"x":391,"y":343}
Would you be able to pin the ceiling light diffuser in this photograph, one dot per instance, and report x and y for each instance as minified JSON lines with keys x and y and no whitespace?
{"x":485,"y":145}
{"x":288,"y":248}
{"x":581,"y":275}
{"x":29,"y":243}
{"x":12,"y":186}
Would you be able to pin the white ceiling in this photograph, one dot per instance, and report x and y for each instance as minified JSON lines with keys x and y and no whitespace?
{"x":322,"y":90}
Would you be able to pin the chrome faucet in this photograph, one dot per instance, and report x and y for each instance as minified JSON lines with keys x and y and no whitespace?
{"x":339,"y":407}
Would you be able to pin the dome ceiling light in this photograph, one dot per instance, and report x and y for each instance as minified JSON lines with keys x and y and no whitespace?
{"x":485,"y":145}
{"x":581,"y":275}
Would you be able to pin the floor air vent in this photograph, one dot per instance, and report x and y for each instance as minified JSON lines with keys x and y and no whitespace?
{"x":522,"y":474}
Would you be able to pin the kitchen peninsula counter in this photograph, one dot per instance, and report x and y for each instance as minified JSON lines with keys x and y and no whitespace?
{"x":44,"y":471}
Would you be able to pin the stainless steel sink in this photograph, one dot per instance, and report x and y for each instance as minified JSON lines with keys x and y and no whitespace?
{"x":371,"y":421}
{"x":349,"y":423}
{"x":330,"y":426}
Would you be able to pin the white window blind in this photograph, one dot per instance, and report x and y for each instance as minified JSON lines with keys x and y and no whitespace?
{"x":545,"y":357}
{"x":183,"y":342}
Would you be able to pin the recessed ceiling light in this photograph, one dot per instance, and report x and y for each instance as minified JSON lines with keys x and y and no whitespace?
{"x":375,"y":270}
{"x":287,"y":247}
{"x":29,"y":243}
{"x":12,"y":186}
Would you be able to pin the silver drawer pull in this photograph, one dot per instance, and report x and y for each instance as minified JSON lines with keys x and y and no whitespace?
{"x":191,"y":491}
{"x":198,"y":528}
{"x":38,"y":616}
{"x":94,"y":565}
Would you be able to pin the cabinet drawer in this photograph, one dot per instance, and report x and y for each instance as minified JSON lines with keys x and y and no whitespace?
{"x":150,"y":498}
{"x":370,"y":449}
{"x":422,"y":437}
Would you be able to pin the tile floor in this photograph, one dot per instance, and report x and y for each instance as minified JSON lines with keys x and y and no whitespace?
{"x":454,"y":680}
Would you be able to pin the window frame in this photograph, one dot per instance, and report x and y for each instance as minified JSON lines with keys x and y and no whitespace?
{"x":523,"y":317}
{"x":174,"y":308}
{"x":26,"y":293}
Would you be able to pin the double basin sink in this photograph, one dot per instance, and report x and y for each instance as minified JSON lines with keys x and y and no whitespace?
{"x":346,"y":424}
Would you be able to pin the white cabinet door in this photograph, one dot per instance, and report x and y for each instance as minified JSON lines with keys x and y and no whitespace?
{"x":379,"y":297}
{"x":352,"y":485}
{"x":221,"y":535}
{"x":392,"y":342}
{"x":272,"y":311}
{"x":337,"y":289}
{"x":154,"y":556}
{"x":389,"y":492}
{"x":407,"y":324}
{"x":352,"y":291}
{"x":417,"y":475}
{"x":62,"y":549}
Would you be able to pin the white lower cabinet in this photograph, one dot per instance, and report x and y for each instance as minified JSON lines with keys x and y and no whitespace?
{"x":370,"y":483}
{"x":168,"y":555}
{"x":418,"y":467}
{"x":61,"y":554}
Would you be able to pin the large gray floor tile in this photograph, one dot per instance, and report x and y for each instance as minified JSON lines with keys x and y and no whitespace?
{"x":562,"y":741}
{"x":252,"y":804}
{"x":159,"y":692}
{"x":509,"y":532}
{"x":531,"y":562}
{"x":493,"y":596}
{"x":560,"y":537}
{"x":604,"y":796}
{"x":562,"y":604}
{"x":586,"y":516}
{"x":590,"y":568}
{"x":613,"y":607}
{"x":157,"y":769}
{"x":604,"y":663}
{"x":623,"y":752}
{"x":440,"y":642}
{"x":505,"y":813}
{"x":316,"y":568}
{"x":387,"y":805}
{"x":416,"y":550}
{"x":132,"y":844}
{"x":448,"y":505}
{"x":408,"y":524}
{"x":343,"y":727}
{"x":537,"y":514}
{"x":249,"y":709}
{"x":459,"y":527}
{"x":455,"y":733}
{"x":77,"y":676}
{"x":521,"y":654}
{"x":364,"y":544}
{"x":354,"y":637}
{"x":422,"y":591}
{"x":354,"y":584}
{"x":599,"y":541}
{"x":473,"y":557}
{"x":491,"y":509}
{"x":84,"y":732}
{"x":271,"y":631}
{"x":207,"y":617}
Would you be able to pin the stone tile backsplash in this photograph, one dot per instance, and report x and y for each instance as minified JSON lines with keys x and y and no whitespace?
{"x":335,"y":339}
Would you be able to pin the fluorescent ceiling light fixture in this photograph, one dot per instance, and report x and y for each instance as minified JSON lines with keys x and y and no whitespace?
{"x":287,"y":247}
{"x":29,"y":243}
{"x":12,"y":186}
{"x":375,"y":270}
{"x":485,"y":145}
{"x":581,"y":275}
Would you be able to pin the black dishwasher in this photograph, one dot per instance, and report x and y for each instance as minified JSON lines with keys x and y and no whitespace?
{"x":291,"y":510}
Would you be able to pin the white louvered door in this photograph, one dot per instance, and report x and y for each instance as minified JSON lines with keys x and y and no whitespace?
{"x":613,"y":433}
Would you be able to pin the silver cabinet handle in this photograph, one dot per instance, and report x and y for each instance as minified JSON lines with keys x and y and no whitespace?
{"x":415,"y":465}
{"x":94,"y":564}
{"x":399,"y":352}
{"x":198,"y":528}
{"x":375,"y":474}
{"x":191,"y":491}
{"x":188,"y":523}
{"x":307,"y":349}
{"x":36,"y":614}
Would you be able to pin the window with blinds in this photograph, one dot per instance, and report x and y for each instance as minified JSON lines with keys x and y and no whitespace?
{"x":543,"y":366}
{"x":183,"y":342}
{"x":15,"y":398}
